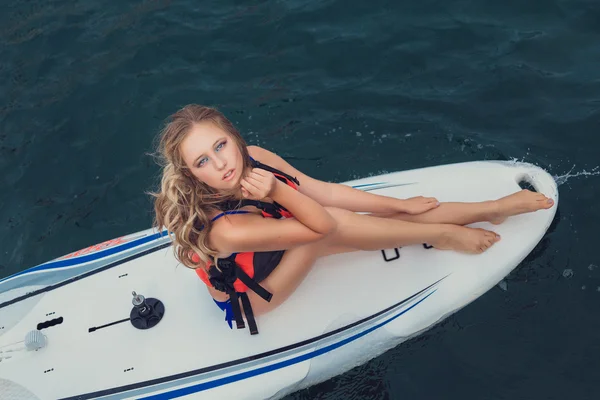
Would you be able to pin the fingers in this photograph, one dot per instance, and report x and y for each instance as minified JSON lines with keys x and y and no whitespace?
{"x":250,"y":187}
{"x":427,"y":200}
{"x":260,"y":171}
{"x":262,"y":177}
{"x":432,"y":203}
{"x":257,"y":184}
{"x":254,"y":180}
{"x":424,"y":198}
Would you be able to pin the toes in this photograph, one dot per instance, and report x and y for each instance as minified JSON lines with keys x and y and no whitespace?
{"x":545,"y":202}
{"x":492,"y":235}
{"x":485,"y":245}
{"x":488,"y":240}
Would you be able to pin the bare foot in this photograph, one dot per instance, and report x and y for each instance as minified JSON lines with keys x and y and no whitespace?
{"x":466,"y":240}
{"x":521,"y":202}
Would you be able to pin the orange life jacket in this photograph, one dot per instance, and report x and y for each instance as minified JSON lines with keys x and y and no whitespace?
{"x":235,"y":274}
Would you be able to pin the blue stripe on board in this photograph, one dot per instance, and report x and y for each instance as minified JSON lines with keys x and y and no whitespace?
{"x":282,"y":364}
{"x":369,"y":184}
{"x":90,"y":257}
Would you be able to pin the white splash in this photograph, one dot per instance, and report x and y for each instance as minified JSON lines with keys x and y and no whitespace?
{"x":561,"y":179}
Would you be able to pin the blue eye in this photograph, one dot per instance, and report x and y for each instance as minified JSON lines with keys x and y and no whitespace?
{"x":205,"y":159}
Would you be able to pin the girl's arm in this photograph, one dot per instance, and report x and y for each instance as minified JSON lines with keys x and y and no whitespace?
{"x":342,"y":196}
{"x":240,"y":233}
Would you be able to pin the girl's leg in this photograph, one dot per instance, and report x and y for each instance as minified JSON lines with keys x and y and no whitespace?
{"x":494,"y":211}
{"x":363,"y":232}
{"x":291,"y":271}
{"x":447,"y":213}
{"x":367,"y":232}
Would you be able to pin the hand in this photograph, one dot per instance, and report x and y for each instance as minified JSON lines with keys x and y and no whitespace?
{"x":258,"y":184}
{"x":418,"y":205}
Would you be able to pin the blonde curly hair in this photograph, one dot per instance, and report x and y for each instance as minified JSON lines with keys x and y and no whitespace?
{"x":183,"y":204}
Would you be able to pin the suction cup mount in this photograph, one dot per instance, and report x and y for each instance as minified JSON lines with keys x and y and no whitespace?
{"x":146,"y":312}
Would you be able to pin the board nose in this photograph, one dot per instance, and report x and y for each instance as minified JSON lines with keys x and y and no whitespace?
{"x":540,"y":180}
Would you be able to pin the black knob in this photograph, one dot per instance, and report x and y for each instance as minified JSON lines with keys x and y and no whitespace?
{"x":146,"y":312}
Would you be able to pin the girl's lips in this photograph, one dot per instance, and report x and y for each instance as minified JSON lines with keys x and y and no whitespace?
{"x":230,"y":176}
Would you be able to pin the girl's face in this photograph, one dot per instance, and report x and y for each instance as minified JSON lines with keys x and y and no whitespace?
{"x":212,"y":156}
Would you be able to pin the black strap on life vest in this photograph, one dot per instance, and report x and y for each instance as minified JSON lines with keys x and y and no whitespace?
{"x":258,"y":164}
{"x":273,"y":209}
{"x":223,"y":278}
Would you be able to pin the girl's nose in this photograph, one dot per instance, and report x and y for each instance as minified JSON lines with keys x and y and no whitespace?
{"x":220,"y":163}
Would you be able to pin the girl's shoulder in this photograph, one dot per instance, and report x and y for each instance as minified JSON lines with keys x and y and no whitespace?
{"x":271,"y":159}
{"x":260,"y":154}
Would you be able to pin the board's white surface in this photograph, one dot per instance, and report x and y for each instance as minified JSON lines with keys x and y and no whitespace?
{"x":193,"y":334}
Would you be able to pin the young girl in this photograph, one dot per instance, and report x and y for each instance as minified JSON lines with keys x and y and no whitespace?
{"x":263,"y":221}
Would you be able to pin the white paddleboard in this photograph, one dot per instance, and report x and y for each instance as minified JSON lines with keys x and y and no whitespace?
{"x":351,"y":307}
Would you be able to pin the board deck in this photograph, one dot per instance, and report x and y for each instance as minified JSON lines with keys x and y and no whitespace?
{"x":350,"y":308}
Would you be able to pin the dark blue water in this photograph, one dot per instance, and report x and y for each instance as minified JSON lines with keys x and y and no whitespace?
{"x":342,"y":89}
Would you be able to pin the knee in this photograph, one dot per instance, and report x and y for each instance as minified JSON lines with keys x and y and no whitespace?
{"x":337,"y":213}
{"x":340,"y":215}
{"x":331,"y":226}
